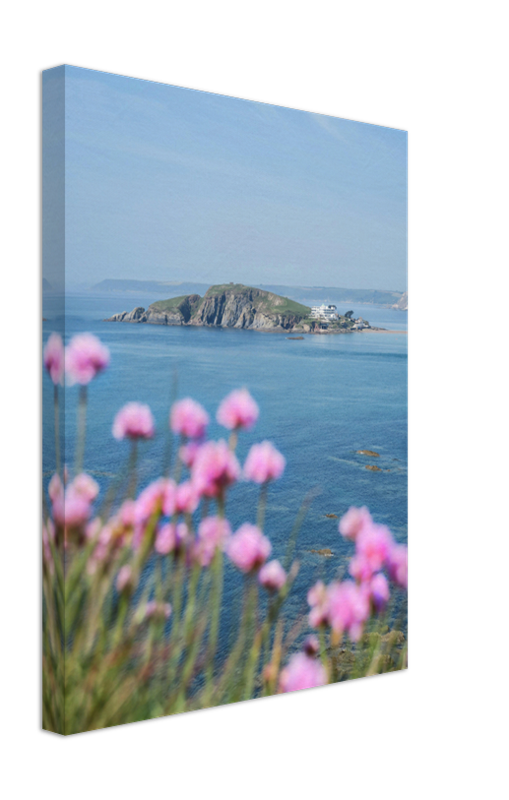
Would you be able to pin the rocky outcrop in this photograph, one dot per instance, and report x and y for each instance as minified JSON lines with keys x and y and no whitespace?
{"x":224,"y":307}
{"x":138,"y":314}
{"x":243,"y":308}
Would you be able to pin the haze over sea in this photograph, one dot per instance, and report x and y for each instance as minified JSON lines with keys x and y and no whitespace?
{"x":321,"y":399}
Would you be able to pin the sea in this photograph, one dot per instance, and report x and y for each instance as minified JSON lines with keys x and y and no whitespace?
{"x":322,"y":399}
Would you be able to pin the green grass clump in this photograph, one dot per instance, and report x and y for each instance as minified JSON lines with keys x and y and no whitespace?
{"x":171,"y":304}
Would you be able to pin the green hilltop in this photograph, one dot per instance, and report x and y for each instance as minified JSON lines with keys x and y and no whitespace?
{"x":266,"y":302}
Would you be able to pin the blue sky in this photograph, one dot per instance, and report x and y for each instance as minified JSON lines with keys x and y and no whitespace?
{"x":164,"y":183}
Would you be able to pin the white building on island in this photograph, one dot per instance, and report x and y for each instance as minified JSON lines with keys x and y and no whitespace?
{"x":324,"y":312}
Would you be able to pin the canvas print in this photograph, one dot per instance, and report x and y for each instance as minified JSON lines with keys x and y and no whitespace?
{"x":224,"y":371}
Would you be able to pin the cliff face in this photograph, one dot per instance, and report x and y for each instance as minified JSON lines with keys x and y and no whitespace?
{"x":245,"y":308}
{"x":402,"y":303}
{"x":229,"y":306}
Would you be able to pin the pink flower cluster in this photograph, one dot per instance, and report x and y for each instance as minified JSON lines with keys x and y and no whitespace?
{"x":213,"y":535}
{"x":110,"y":538}
{"x":347,"y":605}
{"x":72,"y":505}
{"x":248,"y":548}
{"x":303,"y":671}
{"x":171,"y":538}
{"x":188,"y":418}
{"x":215,"y":467}
{"x":85,"y":357}
{"x":375,"y":548}
{"x":272,"y":576}
{"x":238,"y":410}
{"x":134,"y":421}
{"x":264,"y":463}
{"x":54,"y":358}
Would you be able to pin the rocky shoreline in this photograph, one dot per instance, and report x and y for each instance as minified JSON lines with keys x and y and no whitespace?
{"x":140,"y":315}
{"x":242,"y":307}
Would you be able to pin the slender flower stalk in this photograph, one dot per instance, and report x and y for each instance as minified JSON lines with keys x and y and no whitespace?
{"x":133,"y":460}
{"x":57,"y":429}
{"x":82,"y":429}
{"x":262,"y":505}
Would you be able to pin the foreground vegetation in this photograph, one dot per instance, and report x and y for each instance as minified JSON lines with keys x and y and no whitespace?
{"x":133,"y":616}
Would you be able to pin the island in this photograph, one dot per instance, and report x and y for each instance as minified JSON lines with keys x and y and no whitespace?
{"x":234,"y":305}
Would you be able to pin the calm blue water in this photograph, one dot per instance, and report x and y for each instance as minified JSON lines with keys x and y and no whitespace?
{"x":321,"y":399}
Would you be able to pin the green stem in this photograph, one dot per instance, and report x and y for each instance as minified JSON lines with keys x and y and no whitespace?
{"x":82,"y":429}
{"x":254,"y":653}
{"x":262,"y":505}
{"x":217,"y":592}
{"x":133,"y":478}
{"x":292,"y":540}
{"x":57,"y":428}
{"x":323,"y":650}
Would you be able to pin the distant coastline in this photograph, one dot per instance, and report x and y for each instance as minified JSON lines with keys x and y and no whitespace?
{"x":306,"y":295}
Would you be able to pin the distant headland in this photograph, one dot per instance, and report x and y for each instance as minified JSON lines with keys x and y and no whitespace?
{"x":234,"y":305}
{"x":306,"y":295}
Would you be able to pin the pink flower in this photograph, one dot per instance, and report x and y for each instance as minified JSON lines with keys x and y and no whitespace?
{"x":85,"y":357}
{"x":157,"y":611}
{"x":264,"y":463}
{"x":73,"y":507}
{"x":77,"y":509}
{"x":170,"y":538}
{"x":189,"y":418}
{"x":348,"y":608}
{"x":374,"y":544}
{"x":215,"y":467}
{"x":302,"y":672}
{"x":85,"y":486}
{"x":238,"y":410}
{"x":360,"y":569}
{"x":272,"y":576}
{"x":188,"y":453}
{"x":157,"y":498}
{"x":55,"y":487}
{"x":186,"y":498}
{"x":124,"y":578}
{"x":397,"y":563}
{"x":249,"y":548}
{"x":355,"y":519}
{"x":213,"y":534}
{"x":311,"y":646}
{"x":127,"y":513}
{"x":48,"y":535}
{"x":134,"y":421}
{"x":54,"y":358}
{"x":379,"y":591}
{"x":318,"y":599}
